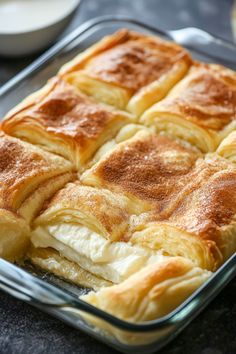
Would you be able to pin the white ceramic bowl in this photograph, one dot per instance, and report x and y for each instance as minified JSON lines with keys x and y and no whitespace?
{"x":28,"y":26}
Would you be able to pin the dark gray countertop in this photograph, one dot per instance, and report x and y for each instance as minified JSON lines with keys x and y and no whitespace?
{"x":25,"y":330}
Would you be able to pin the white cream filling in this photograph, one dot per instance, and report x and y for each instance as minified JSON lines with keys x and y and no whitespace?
{"x":114,"y":261}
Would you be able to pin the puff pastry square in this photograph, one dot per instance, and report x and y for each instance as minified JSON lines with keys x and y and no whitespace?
{"x":145,"y":168}
{"x":28,"y":176}
{"x":128,"y":70}
{"x":87,"y":226}
{"x":201,"y":108}
{"x":62,"y":120}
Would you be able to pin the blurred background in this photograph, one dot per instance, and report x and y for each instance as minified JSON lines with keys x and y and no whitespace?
{"x":216,"y":16}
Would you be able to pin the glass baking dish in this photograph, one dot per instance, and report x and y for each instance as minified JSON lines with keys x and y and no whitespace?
{"x":59,"y":298}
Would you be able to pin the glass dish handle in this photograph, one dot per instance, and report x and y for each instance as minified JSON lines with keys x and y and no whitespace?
{"x":205,"y":43}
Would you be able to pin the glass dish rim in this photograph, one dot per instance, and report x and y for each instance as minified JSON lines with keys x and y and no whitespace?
{"x":228,"y":266}
{"x":171,"y":318}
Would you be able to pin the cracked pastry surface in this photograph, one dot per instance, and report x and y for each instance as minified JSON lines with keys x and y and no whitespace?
{"x":200,"y":109}
{"x":128,"y":70}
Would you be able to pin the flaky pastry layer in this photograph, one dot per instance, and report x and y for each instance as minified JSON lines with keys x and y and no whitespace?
{"x":186,"y":198}
{"x":28,"y":177}
{"x":62,"y":120}
{"x":23,"y":168}
{"x":200,"y":109}
{"x":152,"y":292}
{"x":144,"y":168}
{"x":14,"y":236}
{"x":50,"y":260}
{"x":128,"y":70}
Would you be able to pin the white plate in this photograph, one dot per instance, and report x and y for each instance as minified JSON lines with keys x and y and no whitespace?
{"x":27,"y":26}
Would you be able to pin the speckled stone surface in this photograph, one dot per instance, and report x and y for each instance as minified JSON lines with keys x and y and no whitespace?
{"x":26,"y":330}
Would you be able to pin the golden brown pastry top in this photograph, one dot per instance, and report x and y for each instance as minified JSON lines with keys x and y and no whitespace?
{"x":152,"y":292}
{"x":150,"y":167}
{"x":207,"y":96}
{"x":22,"y":167}
{"x":135,"y":62}
{"x":67,"y":112}
{"x":99,"y":209}
{"x":205,"y":208}
{"x":209,"y":202}
{"x":173,"y":183}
